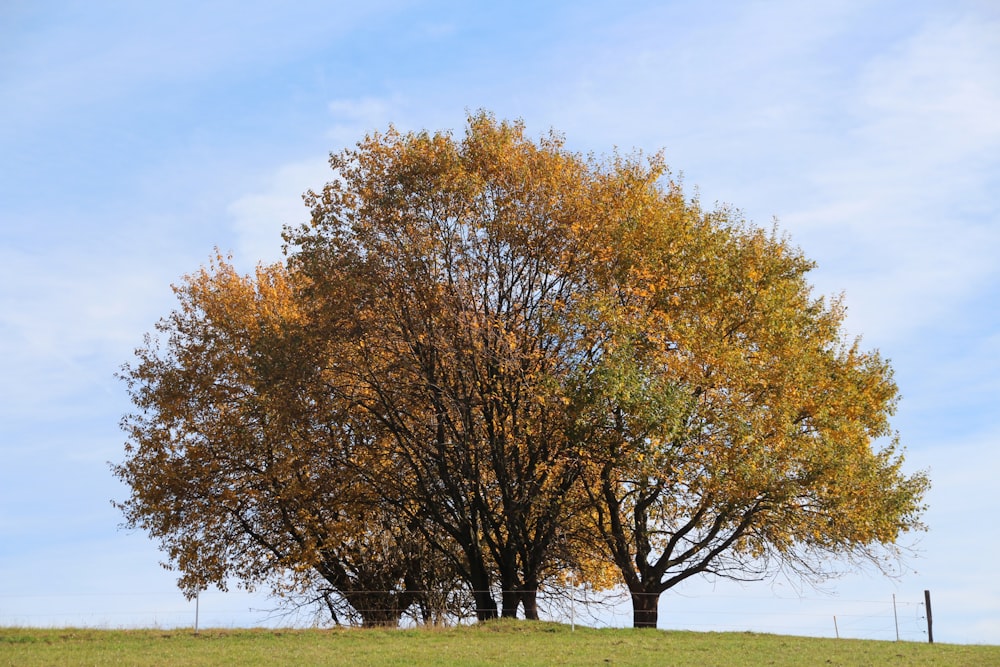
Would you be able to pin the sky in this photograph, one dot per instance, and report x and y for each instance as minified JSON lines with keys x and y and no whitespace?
{"x":135,"y":138}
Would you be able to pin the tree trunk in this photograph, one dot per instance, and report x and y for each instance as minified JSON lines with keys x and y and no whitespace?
{"x":529,"y":598}
{"x":510,"y":593}
{"x":479,"y":581}
{"x":380,"y":618}
{"x":377,"y":610}
{"x":486,"y":606}
{"x":510,"y":602}
{"x":645,"y":608}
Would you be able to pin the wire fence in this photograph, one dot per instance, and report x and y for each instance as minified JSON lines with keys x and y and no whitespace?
{"x":889,"y":618}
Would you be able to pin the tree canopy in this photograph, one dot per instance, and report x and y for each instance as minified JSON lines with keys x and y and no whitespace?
{"x":490,"y":362}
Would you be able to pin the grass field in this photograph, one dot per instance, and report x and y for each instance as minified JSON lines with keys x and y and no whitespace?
{"x":497,"y":643}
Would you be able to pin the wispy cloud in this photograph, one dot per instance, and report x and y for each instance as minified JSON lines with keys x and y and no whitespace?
{"x":83,"y":54}
{"x":353,"y":118}
{"x":873,"y":141}
{"x":258,"y":218}
{"x":135,"y":137}
{"x":71,"y":326}
{"x":259,"y":215}
{"x":901,"y":203}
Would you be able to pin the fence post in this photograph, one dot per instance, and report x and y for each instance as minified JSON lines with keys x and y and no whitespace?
{"x":895,"y":616}
{"x":930,"y":618}
{"x":572,"y":603}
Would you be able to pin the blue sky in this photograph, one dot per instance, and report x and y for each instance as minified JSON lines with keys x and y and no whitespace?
{"x":136,"y":137}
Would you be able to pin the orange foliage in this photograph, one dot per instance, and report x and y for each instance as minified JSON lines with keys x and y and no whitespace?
{"x":532,"y":365}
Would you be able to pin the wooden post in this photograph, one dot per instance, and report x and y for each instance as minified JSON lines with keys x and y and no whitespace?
{"x":895,"y":616}
{"x":572,"y":603}
{"x":930,"y":618}
{"x":836,"y":630}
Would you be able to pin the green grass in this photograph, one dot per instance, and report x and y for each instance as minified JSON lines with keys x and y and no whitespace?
{"x":498,"y":643}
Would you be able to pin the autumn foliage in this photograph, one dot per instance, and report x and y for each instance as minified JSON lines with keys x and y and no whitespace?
{"x":490,"y":364}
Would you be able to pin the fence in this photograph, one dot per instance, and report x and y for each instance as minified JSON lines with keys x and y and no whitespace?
{"x":888,"y":618}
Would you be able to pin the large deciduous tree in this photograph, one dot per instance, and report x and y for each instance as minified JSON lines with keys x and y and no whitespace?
{"x":732,"y":430}
{"x":449,"y":265}
{"x":495,"y":359}
{"x":241,"y":471}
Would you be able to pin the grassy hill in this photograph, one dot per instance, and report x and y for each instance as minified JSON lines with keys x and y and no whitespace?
{"x":499,"y":643}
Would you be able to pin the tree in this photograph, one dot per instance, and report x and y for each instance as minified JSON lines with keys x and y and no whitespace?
{"x":732,"y":430}
{"x":498,"y":361}
{"x":449,"y":264}
{"x":238,"y":469}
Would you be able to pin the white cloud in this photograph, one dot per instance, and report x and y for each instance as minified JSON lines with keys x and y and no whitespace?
{"x":935,"y":98}
{"x":874,"y":141}
{"x":71,"y":328}
{"x":101,"y":52}
{"x":353,"y":118}
{"x":871,"y":133}
{"x":926,"y":116}
{"x":258,"y":218}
